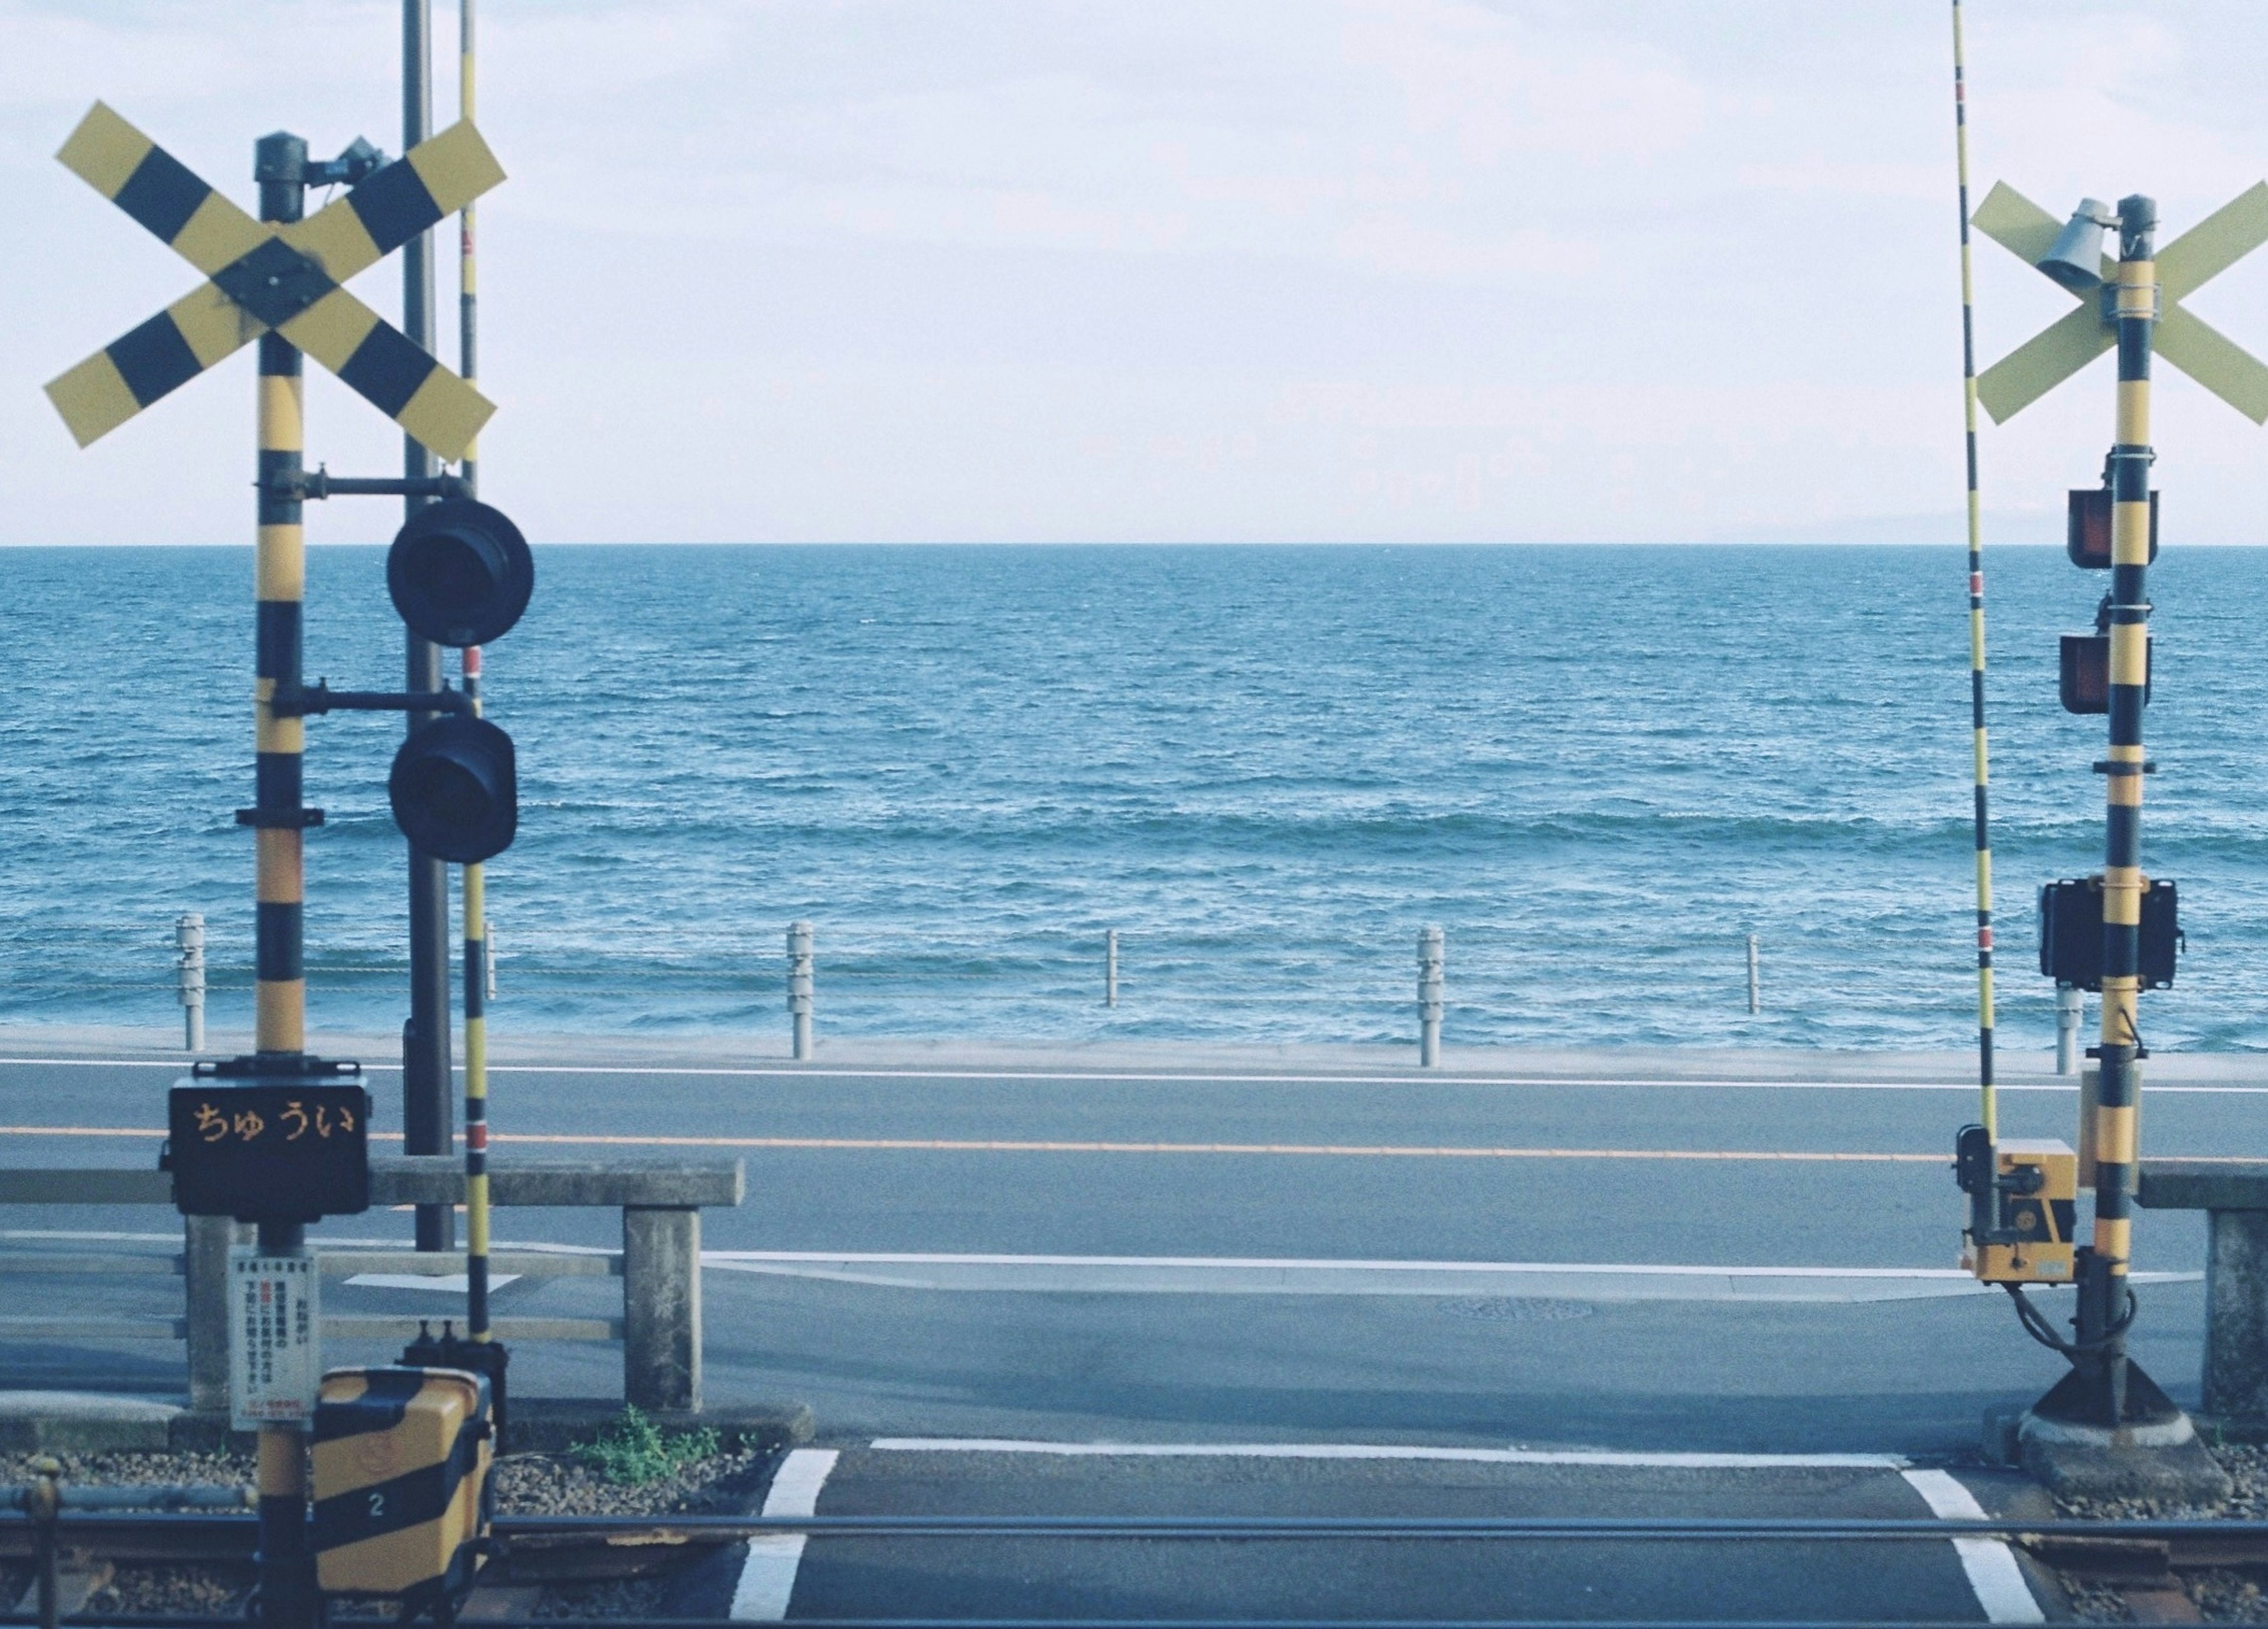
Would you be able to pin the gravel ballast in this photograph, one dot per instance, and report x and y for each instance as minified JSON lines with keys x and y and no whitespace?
{"x":724,"y":1483}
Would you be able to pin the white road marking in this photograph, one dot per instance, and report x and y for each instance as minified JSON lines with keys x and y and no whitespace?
{"x":447,"y":1283}
{"x":1989,"y":1562}
{"x":1356,"y":1450}
{"x":1239,"y":1275}
{"x":1197,"y":1078}
{"x":768,"y":1577}
{"x":1232,"y":1275}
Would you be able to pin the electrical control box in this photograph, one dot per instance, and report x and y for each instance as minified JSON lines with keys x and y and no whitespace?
{"x":2070,"y":931}
{"x":402,"y":1496}
{"x":2035,"y":1185}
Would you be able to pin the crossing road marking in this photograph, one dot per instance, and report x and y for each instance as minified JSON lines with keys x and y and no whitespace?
{"x":767,"y":1579}
{"x":1990,"y":1564}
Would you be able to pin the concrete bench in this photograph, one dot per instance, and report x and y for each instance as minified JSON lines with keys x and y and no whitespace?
{"x":2233,"y":1196}
{"x":659,"y":1265}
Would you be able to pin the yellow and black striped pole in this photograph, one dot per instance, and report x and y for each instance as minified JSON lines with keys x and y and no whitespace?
{"x":476,"y":1068}
{"x":287,"y":1568}
{"x":2102,"y":1289}
{"x":468,"y":281}
{"x":476,"y":926}
{"x":1988,"y":1105}
{"x":280,"y":576}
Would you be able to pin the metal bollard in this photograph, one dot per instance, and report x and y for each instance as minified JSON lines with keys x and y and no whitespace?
{"x":798,"y":984}
{"x":2071,"y":1002}
{"x":43,"y":1505}
{"x":1110,"y":968}
{"x":1432,"y":952}
{"x":190,"y":940}
{"x":1756,"y":987}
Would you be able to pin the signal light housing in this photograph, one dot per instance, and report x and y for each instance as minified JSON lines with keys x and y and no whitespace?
{"x":2084,"y":675}
{"x":459,"y":572}
{"x":455,"y":790}
{"x":2086,"y":529}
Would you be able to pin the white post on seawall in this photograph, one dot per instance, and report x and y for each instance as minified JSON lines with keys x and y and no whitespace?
{"x":798,"y":984}
{"x":2071,"y":1002}
{"x":1756,"y":987}
{"x":1110,"y":969}
{"x":1432,"y":952}
{"x":189,"y":967}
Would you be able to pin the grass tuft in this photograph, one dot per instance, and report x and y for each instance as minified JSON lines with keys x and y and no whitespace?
{"x":633,"y":1450}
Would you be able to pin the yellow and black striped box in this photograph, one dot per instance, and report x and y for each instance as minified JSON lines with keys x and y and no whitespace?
{"x":402,"y":1464}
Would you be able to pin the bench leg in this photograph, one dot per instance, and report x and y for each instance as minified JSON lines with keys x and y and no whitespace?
{"x":661,"y":1308}
{"x":2236,"y":1315}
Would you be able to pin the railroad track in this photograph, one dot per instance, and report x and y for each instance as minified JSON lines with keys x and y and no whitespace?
{"x":603,"y":1546}
{"x":2140,"y":1558}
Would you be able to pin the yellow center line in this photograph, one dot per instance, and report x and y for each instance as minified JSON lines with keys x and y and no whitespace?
{"x":921,"y":1145}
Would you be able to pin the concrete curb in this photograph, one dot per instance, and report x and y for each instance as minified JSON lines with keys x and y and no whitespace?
{"x":769,"y":1049}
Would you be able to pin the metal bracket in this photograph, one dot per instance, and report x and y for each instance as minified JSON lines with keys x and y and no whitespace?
{"x":2109,"y":296}
{"x":280,"y":820}
{"x":313,"y":486}
{"x":358,"y":159}
{"x":2104,"y":766}
{"x":262,"y":1066}
{"x":310,"y":700}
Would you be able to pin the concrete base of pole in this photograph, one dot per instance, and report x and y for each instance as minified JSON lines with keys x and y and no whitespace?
{"x":2153,"y":1454}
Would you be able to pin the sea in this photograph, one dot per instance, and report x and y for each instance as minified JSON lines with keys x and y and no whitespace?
{"x":1598,"y":769}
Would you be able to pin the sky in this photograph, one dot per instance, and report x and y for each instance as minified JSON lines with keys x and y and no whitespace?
{"x":1132,"y":271}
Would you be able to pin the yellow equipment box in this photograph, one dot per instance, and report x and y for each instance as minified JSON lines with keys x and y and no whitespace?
{"x":402,"y":1464}
{"x":2042,"y":1219}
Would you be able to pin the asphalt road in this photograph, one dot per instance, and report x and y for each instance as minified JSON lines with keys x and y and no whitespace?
{"x":1193,"y":1260}
{"x":1903,"y":1581}
{"x":1482,"y":1172}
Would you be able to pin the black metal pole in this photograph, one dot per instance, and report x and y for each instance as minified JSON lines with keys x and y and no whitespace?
{"x":428,"y":1081}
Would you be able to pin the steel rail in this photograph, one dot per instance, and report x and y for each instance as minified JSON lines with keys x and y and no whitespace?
{"x":131,"y":1621}
{"x":726,"y":1528}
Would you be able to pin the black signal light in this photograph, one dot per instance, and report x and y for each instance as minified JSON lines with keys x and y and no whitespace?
{"x":455,"y":790}
{"x":459,"y":572}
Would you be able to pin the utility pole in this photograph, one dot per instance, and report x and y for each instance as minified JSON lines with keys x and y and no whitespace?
{"x":428,"y":1079}
{"x":279,"y":1137}
{"x":287,"y":1568}
{"x":2105,"y":1430}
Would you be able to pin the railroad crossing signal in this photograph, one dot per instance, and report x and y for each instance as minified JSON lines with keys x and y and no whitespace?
{"x":2059,"y":351}
{"x":286,"y":277}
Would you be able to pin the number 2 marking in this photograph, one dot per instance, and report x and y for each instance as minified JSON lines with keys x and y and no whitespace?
{"x":376,"y":1505}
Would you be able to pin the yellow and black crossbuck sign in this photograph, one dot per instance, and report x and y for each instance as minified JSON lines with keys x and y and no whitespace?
{"x":2060,"y":350}
{"x":285,"y":276}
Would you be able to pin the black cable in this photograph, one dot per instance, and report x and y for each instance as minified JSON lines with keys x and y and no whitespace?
{"x":2038,"y":1328}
